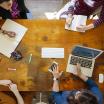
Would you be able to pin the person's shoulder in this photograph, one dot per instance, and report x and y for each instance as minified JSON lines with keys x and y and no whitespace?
{"x":1,"y":18}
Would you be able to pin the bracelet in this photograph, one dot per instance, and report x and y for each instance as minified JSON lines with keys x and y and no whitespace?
{"x":55,"y":79}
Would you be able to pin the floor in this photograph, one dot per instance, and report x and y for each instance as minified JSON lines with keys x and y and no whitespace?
{"x":39,"y":7}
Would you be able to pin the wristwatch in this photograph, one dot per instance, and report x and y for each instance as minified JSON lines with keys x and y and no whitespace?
{"x":55,"y":79}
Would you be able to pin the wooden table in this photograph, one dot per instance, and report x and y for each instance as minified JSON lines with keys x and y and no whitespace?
{"x":34,"y":76}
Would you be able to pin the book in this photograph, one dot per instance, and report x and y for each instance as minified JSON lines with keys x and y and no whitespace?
{"x":77,"y":20}
{"x":7,"y":44}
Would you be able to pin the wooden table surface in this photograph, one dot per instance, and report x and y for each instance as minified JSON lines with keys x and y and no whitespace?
{"x":34,"y":76}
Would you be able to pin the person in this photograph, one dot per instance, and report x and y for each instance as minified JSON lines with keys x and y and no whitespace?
{"x":6,"y":99}
{"x":13,"y":9}
{"x":82,"y":7}
{"x":92,"y":95}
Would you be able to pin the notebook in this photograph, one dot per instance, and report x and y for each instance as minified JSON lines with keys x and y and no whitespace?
{"x":7,"y":44}
{"x":77,"y":21}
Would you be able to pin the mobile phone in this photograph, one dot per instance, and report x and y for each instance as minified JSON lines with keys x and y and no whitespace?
{"x":54,"y":64}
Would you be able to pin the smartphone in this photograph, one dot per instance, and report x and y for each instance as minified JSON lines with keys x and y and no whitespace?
{"x":54,"y":64}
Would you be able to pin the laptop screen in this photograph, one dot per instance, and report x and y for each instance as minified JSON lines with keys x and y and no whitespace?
{"x":85,"y":52}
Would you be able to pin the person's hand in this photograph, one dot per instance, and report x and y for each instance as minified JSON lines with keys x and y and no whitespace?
{"x":5,"y":82}
{"x":78,"y":70}
{"x":79,"y":73}
{"x":69,"y":20}
{"x":55,"y":72}
{"x":82,"y":28}
{"x":13,"y":87}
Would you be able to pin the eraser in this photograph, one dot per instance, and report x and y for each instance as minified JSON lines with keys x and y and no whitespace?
{"x":11,"y":69}
{"x":101,"y":78}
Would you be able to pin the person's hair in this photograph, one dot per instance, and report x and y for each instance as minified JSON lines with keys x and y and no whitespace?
{"x":1,"y":1}
{"x":85,"y":97}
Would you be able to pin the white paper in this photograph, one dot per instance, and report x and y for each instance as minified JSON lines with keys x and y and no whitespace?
{"x":52,"y":53}
{"x":77,"y":21}
{"x":7,"y":44}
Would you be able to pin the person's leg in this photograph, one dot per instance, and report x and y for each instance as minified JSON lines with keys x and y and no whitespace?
{"x":6,"y":99}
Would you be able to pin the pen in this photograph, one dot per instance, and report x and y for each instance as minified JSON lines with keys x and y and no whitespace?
{"x":30,"y":58}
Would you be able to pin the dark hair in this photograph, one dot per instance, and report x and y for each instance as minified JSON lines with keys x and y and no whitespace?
{"x":85,"y":97}
{"x":1,"y":1}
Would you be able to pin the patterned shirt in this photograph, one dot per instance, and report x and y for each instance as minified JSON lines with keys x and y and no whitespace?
{"x":15,"y":10}
{"x":79,"y":7}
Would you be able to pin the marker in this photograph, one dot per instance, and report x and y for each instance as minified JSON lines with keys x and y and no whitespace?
{"x":30,"y":58}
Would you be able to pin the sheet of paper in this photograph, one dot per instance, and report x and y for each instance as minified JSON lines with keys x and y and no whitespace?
{"x":7,"y":44}
{"x":52,"y":52}
{"x":77,"y":21}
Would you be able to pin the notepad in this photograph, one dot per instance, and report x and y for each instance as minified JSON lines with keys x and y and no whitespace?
{"x":52,"y":52}
{"x":7,"y":44}
{"x":77,"y":21}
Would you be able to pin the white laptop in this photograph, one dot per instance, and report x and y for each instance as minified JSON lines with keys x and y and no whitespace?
{"x":7,"y":44}
{"x":86,"y":57}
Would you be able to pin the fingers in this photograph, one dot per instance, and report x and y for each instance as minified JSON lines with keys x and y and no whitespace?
{"x":61,"y":73}
{"x":69,"y":20}
{"x":78,"y":66}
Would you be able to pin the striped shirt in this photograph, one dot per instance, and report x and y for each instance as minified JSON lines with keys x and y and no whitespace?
{"x":80,"y":7}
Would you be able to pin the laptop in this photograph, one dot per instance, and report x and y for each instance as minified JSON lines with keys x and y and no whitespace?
{"x":86,"y":57}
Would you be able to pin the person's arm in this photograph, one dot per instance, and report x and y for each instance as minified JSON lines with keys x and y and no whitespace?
{"x":55,"y":86}
{"x":101,"y":18}
{"x":82,"y":28}
{"x":5,"y":82}
{"x":93,"y":87}
{"x":94,"y":24}
{"x":56,"y":76}
{"x":13,"y":88}
{"x":70,"y":12}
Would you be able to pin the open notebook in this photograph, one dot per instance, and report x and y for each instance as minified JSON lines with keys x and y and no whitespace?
{"x":7,"y":44}
{"x":77,"y":21}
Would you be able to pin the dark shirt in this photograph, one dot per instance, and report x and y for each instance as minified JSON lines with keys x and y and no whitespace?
{"x":6,"y":14}
{"x":61,"y":97}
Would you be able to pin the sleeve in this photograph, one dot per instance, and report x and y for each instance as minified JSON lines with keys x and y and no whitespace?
{"x":71,"y":6}
{"x":101,"y":18}
{"x":93,"y":87}
{"x":57,"y":96}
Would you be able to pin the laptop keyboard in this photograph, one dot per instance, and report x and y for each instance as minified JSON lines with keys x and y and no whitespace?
{"x":83,"y":62}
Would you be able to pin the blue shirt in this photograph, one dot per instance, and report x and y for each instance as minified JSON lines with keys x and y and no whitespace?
{"x":61,"y":97}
